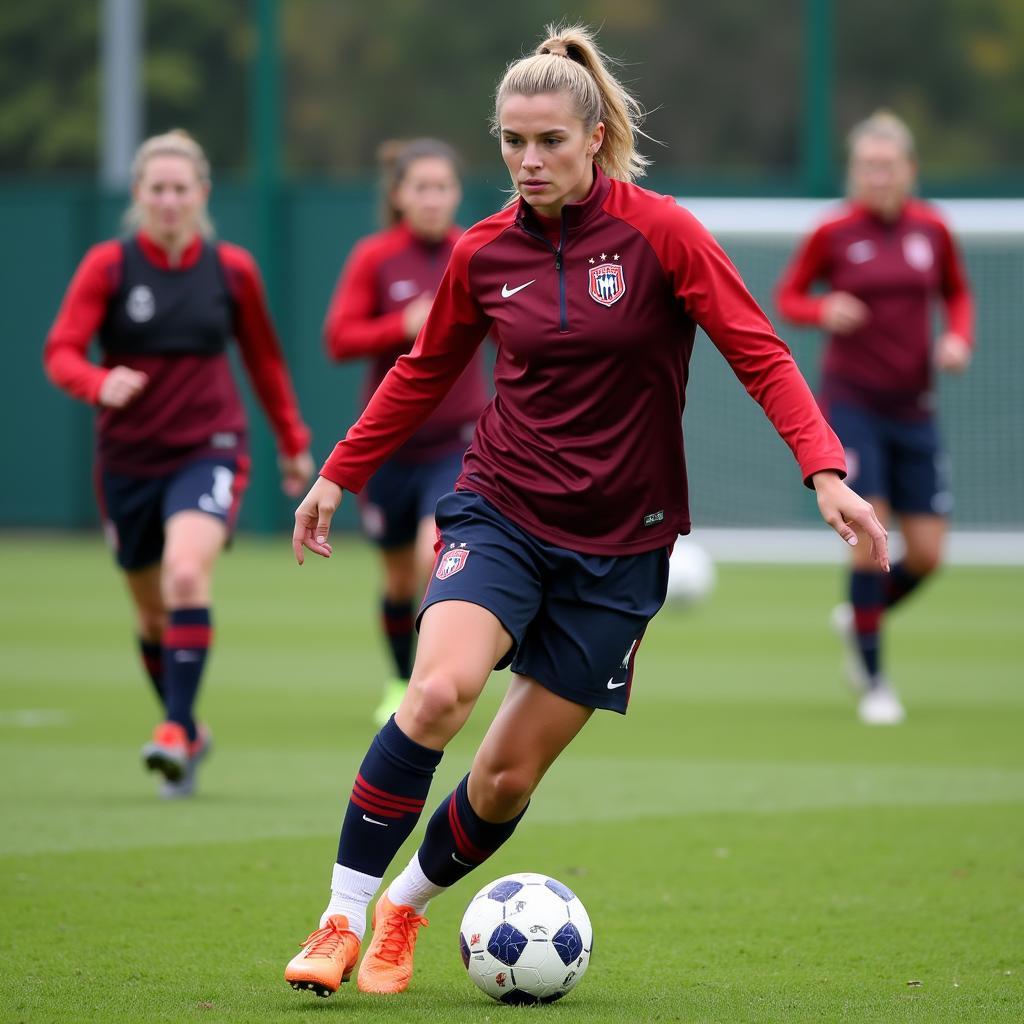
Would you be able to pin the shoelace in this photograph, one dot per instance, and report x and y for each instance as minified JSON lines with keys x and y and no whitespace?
{"x":324,"y":941}
{"x":399,"y":935}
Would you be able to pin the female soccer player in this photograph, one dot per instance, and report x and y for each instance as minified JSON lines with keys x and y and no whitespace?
{"x":553,"y":550}
{"x":885,"y":258}
{"x":172,"y":459}
{"x":379,"y":306}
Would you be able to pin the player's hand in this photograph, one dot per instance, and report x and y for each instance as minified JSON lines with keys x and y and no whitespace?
{"x":842,"y":313}
{"x":295,"y":472}
{"x":843,"y":510}
{"x":121,"y":386}
{"x":313,"y":519}
{"x":414,"y":316}
{"x":952,"y":353}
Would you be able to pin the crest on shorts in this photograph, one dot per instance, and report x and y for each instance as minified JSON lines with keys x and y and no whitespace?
{"x":607,"y":280}
{"x":451,"y":561}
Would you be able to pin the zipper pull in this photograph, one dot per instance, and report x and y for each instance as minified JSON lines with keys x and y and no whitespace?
{"x":558,"y":260}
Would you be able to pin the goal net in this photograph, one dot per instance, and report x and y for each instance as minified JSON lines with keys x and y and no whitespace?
{"x":741,"y":474}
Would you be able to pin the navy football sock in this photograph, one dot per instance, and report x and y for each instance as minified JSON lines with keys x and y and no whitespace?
{"x":396,"y":618}
{"x":867,"y":595}
{"x":458,"y":839}
{"x":186,"y":642}
{"x":899,"y":583}
{"x":386,"y":801}
{"x":153,"y":661}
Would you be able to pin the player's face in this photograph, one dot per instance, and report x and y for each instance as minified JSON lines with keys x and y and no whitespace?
{"x":428,"y":196}
{"x":171,"y":197}
{"x":881,"y":174}
{"x":548,"y":150}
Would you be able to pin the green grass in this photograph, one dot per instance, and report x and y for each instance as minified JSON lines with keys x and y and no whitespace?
{"x":747,"y":851}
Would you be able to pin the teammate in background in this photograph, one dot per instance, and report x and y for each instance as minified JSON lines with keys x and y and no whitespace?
{"x":380,"y":304}
{"x":886,"y":258}
{"x":172,"y":459}
{"x":554,"y":547}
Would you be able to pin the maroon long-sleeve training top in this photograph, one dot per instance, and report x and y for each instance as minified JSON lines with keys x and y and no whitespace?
{"x":899,"y":269}
{"x":382,"y":275}
{"x":582,"y":444}
{"x":190,"y":405}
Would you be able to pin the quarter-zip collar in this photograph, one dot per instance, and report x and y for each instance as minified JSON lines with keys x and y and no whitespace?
{"x":574,"y":215}
{"x":431,"y":246}
{"x":876,"y":218}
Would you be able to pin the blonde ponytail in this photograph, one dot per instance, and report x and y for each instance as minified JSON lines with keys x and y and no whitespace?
{"x":570,"y":61}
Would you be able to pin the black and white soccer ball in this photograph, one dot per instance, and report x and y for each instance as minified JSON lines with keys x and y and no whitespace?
{"x":526,"y":938}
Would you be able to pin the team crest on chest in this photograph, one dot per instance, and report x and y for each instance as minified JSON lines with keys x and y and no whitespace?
{"x":140,"y":304}
{"x":451,"y":561}
{"x":917,"y":251}
{"x":607,"y":280}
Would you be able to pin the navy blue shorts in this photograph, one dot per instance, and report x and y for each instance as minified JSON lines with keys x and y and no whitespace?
{"x":402,"y":494}
{"x":136,"y":508}
{"x":575,"y":620}
{"x":899,"y":460}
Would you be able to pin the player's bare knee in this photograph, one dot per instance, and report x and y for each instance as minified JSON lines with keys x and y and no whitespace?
{"x":924,"y":563}
{"x":504,"y":792}
{"x":184,"y":583}
{"x":431,"y":701}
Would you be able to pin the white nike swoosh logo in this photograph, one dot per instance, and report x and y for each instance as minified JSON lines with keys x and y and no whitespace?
{"x":507,"y":293}
{"x":464,"y":863}
{"x":374,"y":821}
{"x":614,"y":686}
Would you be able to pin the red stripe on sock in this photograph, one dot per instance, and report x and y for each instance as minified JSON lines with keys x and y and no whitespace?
{"x":394,"y":626}
{"x":867,"y":620}
{"x":381,"y":805}
{"x":403,"y":803}
{"x":187,"y":636}
{"x":367,"y":805}
{"x":462,"y":843}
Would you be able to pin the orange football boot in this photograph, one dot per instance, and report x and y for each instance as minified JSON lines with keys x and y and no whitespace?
{"x":168,"y":751}
{"x":387,"y":966}
{"x":327,"y":959}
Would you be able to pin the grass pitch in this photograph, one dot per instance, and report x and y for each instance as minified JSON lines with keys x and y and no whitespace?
{"x":747,"y":851}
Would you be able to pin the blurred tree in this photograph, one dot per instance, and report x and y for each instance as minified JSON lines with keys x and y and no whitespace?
{"x":48,"y":86}
{"x":722,"y":80}
{"x":194,"y":77}
{"x":354,"y":79}
{"x":953,"y":68}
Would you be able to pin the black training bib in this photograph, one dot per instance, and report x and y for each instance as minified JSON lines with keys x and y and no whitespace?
{"x":168,"y":312}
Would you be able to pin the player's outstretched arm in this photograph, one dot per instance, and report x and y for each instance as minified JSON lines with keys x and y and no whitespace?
{"x":313,"y":519}
{"x":844,"y":509}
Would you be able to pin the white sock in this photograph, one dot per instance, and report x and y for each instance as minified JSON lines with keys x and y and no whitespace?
{"x":412,"y":888}
{"x":351,"y":892}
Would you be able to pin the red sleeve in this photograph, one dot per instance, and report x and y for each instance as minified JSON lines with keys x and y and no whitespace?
{"x":418,"y":381}
{"x":261,"y":351}
{"x":78,"y":319}
{"x":717,"y":299}
{"x":354,"y":328}
{"x":792,"y":295}
{"x":956,"y":292}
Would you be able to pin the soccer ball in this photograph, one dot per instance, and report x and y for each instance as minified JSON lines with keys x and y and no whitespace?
{"x":526,"y":939}
{"x":691,"y":573}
